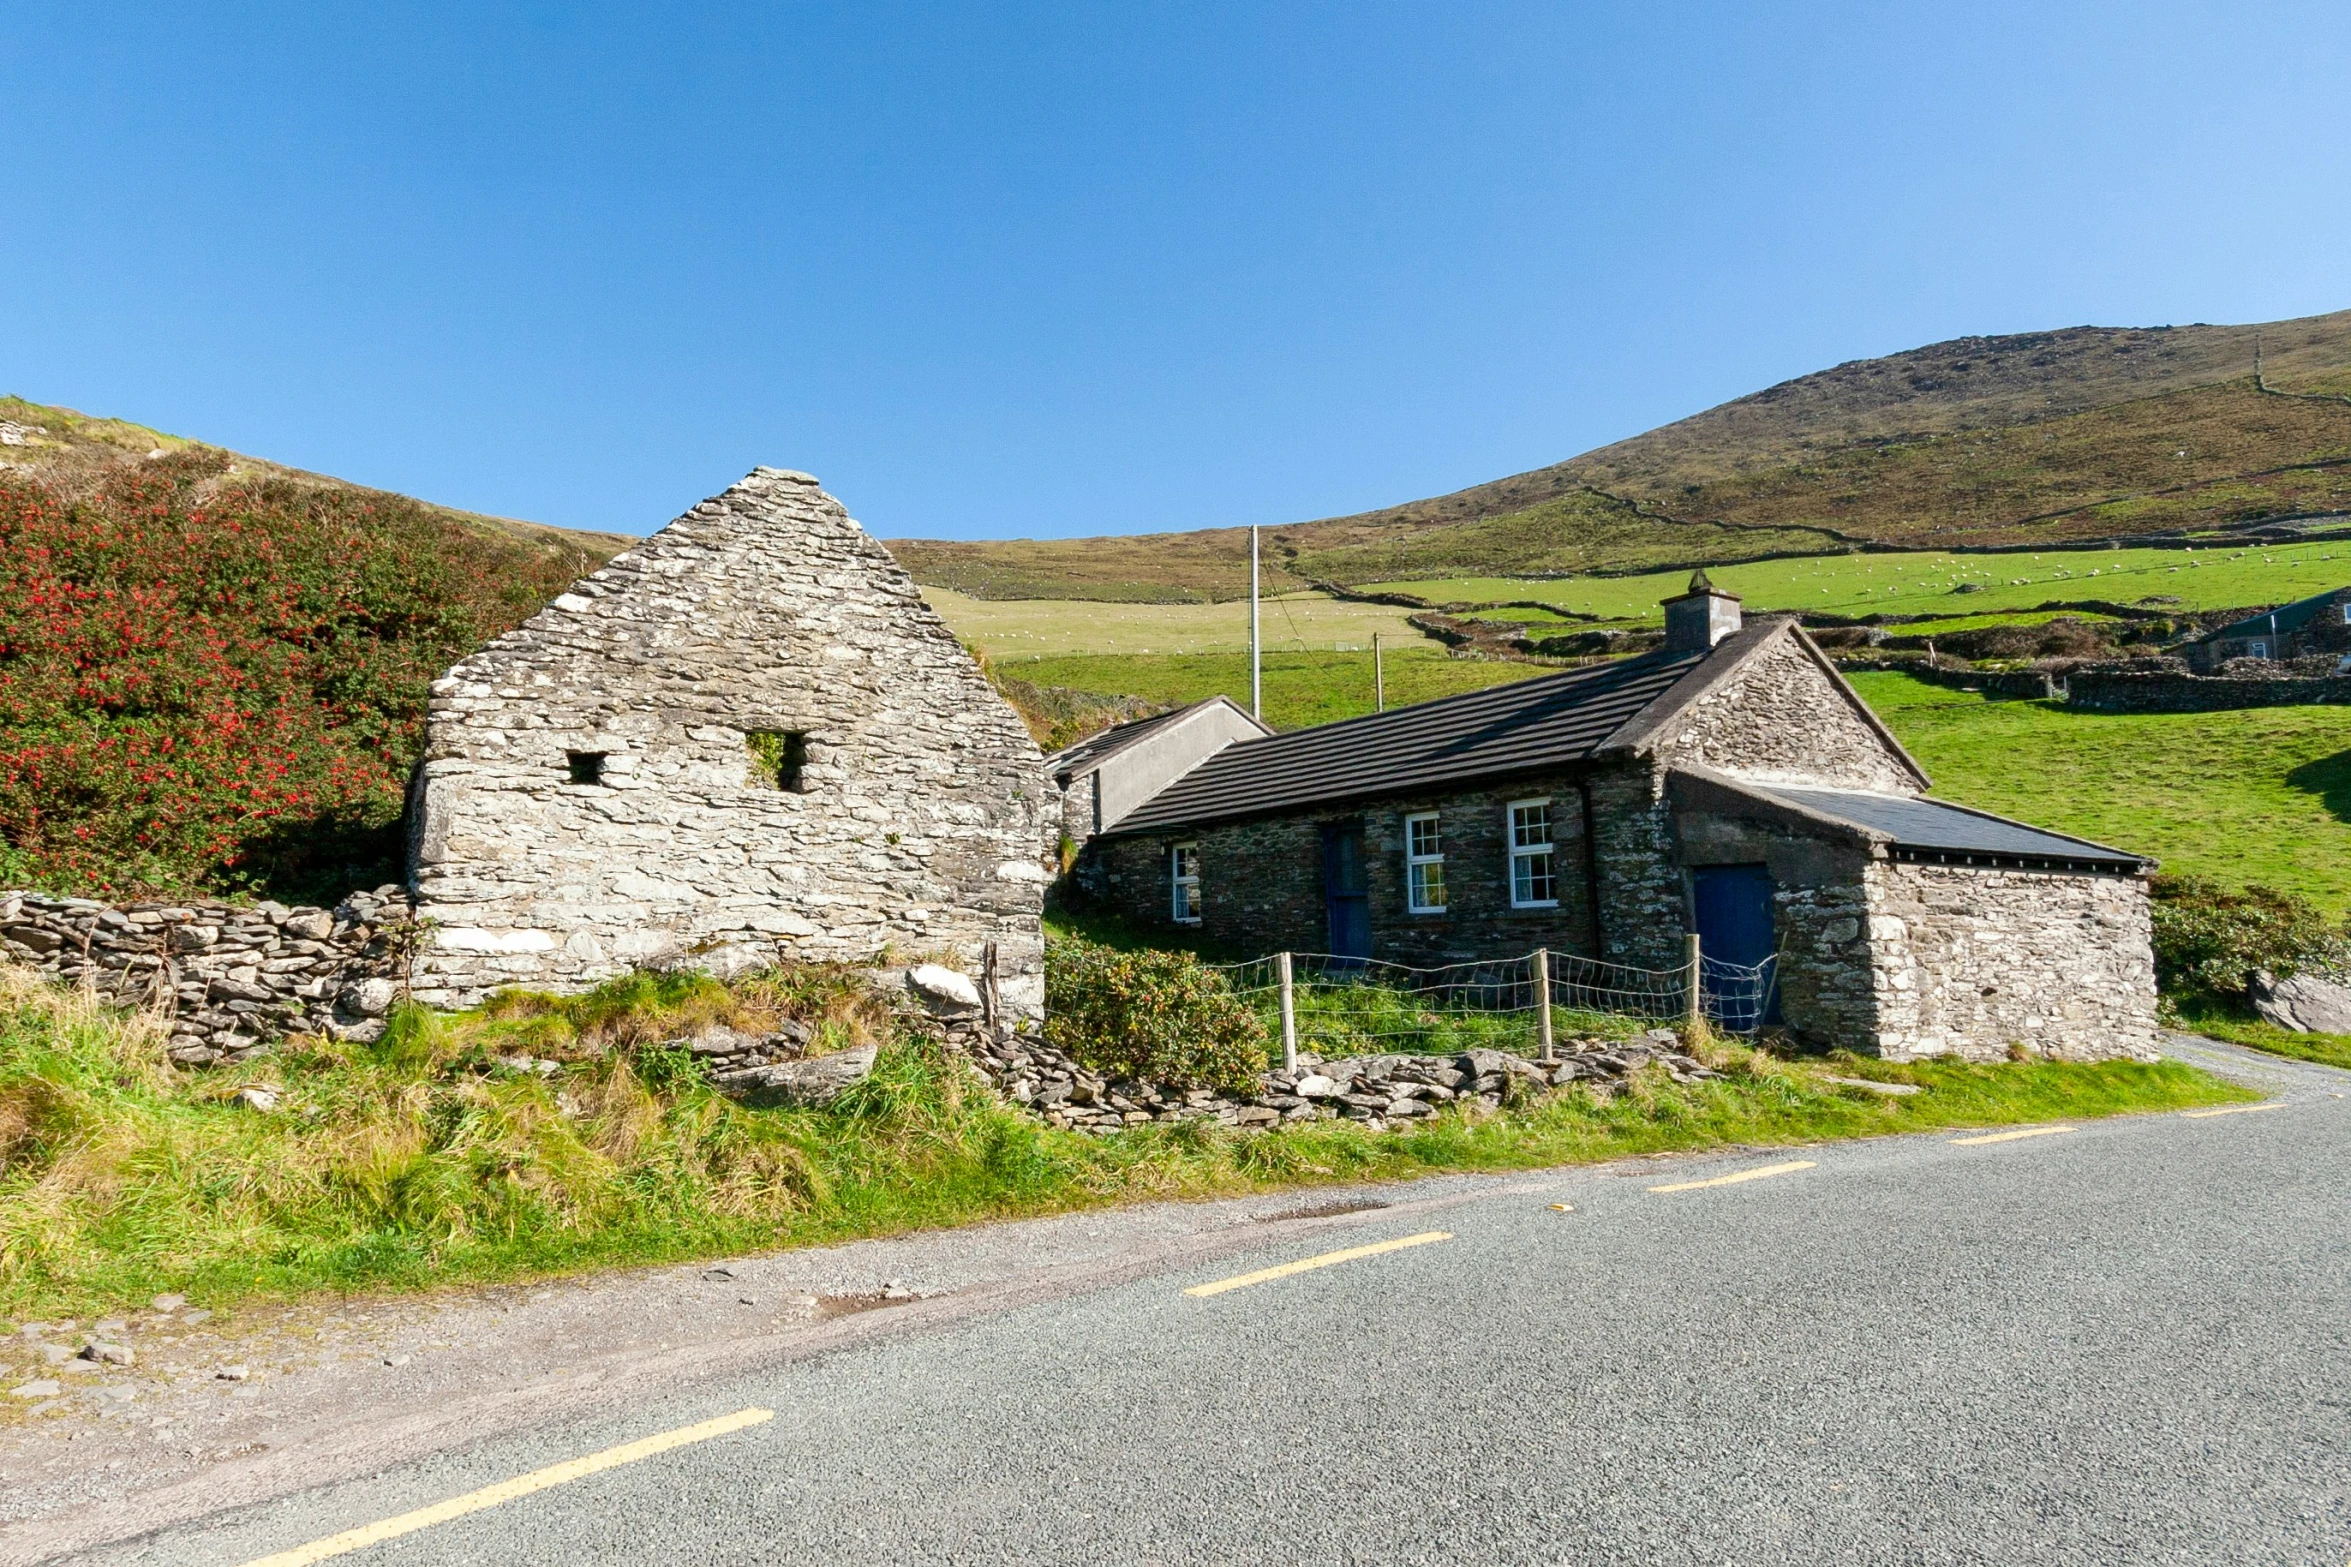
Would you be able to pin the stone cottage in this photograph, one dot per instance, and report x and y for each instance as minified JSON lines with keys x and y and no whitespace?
{"x":2319,"y":625}
{"x":1729,"y":784}
{"x":745,"y":739}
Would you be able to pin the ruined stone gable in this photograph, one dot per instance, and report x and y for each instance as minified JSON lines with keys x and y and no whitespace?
{"x":1782,"y":716}
{"x":746,"y":738}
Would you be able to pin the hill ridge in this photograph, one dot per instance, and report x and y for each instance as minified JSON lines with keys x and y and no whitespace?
{"x":2138,"y":432}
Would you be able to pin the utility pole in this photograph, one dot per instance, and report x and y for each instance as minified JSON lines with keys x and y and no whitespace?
{"x":1256,"y":670}
{"x":1379,"y":678}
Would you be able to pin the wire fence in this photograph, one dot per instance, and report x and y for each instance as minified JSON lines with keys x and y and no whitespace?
{"x":1337,"y":1006}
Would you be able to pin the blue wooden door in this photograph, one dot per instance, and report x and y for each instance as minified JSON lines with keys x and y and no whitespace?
{"x":1735,"y":937}
{"x":1346,"y":890}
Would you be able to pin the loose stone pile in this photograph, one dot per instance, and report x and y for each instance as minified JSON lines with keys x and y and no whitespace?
{"x":227,"y":980}
{"x":1379,"y":1093}
{"x":775,"y":1068}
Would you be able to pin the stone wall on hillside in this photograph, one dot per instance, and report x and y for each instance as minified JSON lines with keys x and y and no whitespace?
{"x":225,"y":980}
{"x":2118,"y":692}
{"x":745,"y":741}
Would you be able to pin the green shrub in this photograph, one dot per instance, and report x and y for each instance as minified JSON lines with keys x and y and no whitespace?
{"x":1162,"y":1017}
{"x":2209,"y":939}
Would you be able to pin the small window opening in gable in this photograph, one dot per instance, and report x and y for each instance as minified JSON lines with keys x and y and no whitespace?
{"x":587,"y":767}
{"x":779,"y":759}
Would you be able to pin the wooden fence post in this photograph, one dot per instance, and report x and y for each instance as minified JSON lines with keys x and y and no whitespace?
{"x":988,"y":1006}
{"x":1694,"y":1010}
{"x":1281,"y":969}
{"x":1543,"y":1003}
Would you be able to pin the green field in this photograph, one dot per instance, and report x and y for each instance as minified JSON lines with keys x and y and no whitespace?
{"x":1012,"y":629}
{"x":1927,"y":582}
{"x":2261,"y":795}
{"x":1300,"y":688}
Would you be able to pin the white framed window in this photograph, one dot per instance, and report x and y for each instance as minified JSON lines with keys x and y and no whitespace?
{"x":1424,"y":864}
{"x":2257,"y":650}
{"x":2347,"y":614}
{"x":1534,"y":880}
{"x":1183,"y":865}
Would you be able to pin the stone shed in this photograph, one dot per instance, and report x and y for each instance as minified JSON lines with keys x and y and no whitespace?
{"x":747,"y":739}
{"x":1730,"y":784}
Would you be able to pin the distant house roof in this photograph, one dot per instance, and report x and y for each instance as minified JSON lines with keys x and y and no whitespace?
{"x":2281,"y":621}
{"x":1526,"y":726}
{"x":1100,"y":747}
{"x":1932,"y":831}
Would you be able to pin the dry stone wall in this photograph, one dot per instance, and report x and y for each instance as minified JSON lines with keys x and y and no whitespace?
{"x":227,"y":980}
{"x":1378,"y":1093}
{"x":747,"y":740}
{"x":1968,"y":962}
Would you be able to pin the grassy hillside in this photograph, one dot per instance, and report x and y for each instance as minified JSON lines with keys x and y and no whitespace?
{"x":72,"y":453}
{"x":213,"y":672}
{"x":1031,"y":628}
{"x":2261,"y":796}
{"x":1300,"y":688}
{"x":2089,"y":433}
{"x":1931,"y":582}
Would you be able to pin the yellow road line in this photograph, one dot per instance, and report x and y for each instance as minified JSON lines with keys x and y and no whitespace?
{"x":1309,"y":1264}
{"x":2198,"y":1115}
{"x":508,"y":1490}
{"x":1757,"y":1174}
{"x":2009,"y":1137}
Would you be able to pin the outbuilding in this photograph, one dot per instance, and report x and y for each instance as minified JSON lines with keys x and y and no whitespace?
{"x":746,"y":739}
{"x":2317,"y":626}
{"x":1730,"y":784}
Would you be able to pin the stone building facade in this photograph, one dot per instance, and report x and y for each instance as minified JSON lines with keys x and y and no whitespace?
{"x":1735,"y":761}
{"x":2312,"y":628}
{"x":746,"y":739}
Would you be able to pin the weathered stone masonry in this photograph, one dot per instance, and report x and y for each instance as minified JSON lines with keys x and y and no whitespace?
{"x":746,"y":740}
{"x":225,"y":981}
{"x":1969,"y":962}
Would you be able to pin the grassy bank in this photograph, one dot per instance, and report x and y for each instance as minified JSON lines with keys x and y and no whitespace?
{"x":2217,"y":1019}
{"x":1300,"y":688}
{"x":428,"y":1159}
{"x":2257,"y":796}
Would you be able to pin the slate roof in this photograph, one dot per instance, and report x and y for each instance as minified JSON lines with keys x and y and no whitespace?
{"x":1946,"y":833}
{"x":2282,"y":621}
{"x":1099,"y":747}
{"x":1524,"y":726}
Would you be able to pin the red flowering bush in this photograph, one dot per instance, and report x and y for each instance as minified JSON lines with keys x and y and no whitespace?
{"x":214,"y":684}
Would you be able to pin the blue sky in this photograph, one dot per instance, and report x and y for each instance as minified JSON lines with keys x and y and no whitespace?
{"x":1047,"y":270}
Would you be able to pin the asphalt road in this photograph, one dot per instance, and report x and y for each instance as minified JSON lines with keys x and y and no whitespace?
{"x":2120,"y":1343}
